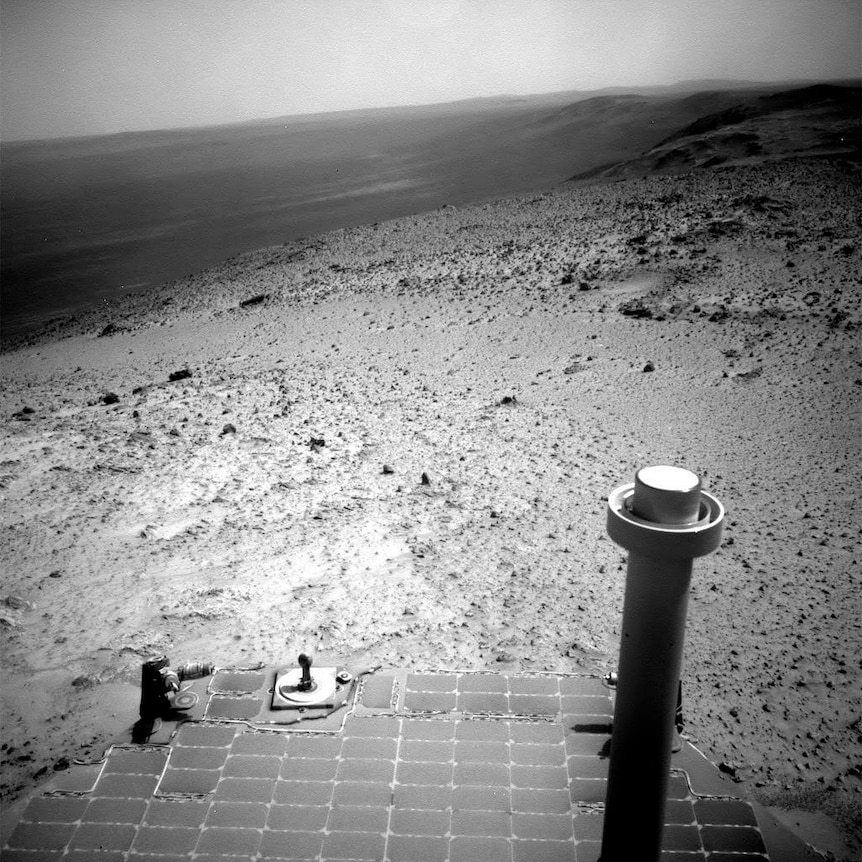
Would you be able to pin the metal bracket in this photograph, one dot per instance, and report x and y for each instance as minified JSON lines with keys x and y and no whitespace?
{"x":305,"y":687}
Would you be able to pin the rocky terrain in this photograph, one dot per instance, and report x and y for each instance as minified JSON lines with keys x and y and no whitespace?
{"x":229,"y":467}
{"x":87,"y":218}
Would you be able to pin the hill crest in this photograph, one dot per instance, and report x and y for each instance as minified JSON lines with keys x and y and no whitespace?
{"x":819,"y":120}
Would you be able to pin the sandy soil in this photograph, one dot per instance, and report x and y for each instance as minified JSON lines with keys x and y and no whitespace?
{"x":502,"y":349}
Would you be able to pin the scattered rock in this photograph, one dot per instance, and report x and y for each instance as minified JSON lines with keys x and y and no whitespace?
{"x":85,"y":681}
{"x":648,"y":367}
{"x":110,"y":329}
{"x":730,"y":769}
{"x":254,"y":300}
{"x":182,"y":374}
{"x":316,"y":443}
{"x":508,"y":400}
{"x":635,"y":308}
{"x":17,"y":603}
{"x":836,"y":319}
{"x":110,"y":398}
{"x":425,"y":479}
{"x":387,"y":470}
{"x":577,"y":366}
{"x":763,"y":204}
{"x":724,"y":227}
{"x":753,"y":374}
{"x":229,"y":428}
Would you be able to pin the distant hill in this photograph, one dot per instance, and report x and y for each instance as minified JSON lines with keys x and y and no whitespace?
{"x":734,"y":128}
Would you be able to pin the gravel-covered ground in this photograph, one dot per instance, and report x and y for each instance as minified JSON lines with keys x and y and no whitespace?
{"x":528,"y":355}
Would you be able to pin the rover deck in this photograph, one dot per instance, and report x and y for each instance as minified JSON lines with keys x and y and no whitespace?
{"x":416,"y":767}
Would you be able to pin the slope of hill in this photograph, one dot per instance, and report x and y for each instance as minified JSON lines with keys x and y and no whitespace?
{"x":86,"y":219}
{"x":819,"y":120}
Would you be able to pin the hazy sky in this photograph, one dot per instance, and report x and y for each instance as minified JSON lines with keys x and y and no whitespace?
{"x":75,"y":67}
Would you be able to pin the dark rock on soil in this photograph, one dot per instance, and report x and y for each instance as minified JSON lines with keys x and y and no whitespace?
{"x":635,"y":308}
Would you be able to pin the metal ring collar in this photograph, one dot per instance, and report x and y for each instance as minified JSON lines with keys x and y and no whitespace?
{"x":667,"y":541}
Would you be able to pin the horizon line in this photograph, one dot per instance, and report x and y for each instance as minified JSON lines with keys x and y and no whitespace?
{"x":648,"y":89}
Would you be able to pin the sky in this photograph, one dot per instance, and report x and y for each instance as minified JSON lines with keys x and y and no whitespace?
{"x":88,"y":67}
